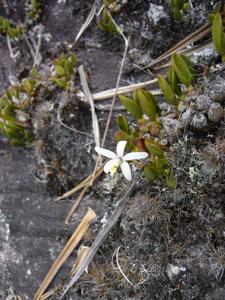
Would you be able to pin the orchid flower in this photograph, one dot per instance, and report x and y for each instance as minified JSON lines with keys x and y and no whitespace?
{"x":118,"y":159}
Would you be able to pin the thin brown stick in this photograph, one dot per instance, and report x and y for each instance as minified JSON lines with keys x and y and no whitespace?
{"x":86,"y":23}
{"x":187,"y":52}
{"x":82,"y":184}
{"x":65,"y":253}
{"x":126,"y":41}
{"x":191,"y":38}
{"x":89,"y":99}
{"x":100,"y":237}
{"x":122,"y":90}
{"x":75,"y":205}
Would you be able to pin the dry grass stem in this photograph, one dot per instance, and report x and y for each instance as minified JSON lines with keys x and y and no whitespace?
{"x":81,"y":253}
{"x":37,"y":57}
{"x":75,"y":205}
{"x":101,"y":236}
{"x":12,"y":55}
{"x":32,"y":52}
{"x":187,"y":52}
{"x":116,"y":253}
{"x":123,"y":90}
{"x":193,"y":37}
{"x":126,"y":42}
{"x":67,"y":250}
{"x":85,"y":182}
{"x":89,"y":99}
{"x":86,"y":23}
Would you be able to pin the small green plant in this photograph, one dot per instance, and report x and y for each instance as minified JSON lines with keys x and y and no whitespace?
{"x":65,"y":70}
{"x":218,"y":35}
{"x":8,"y":28}
{"x":14,"y":121}
{"x":180,"y":72}
{"x":179,"y":7}
{"x":106,"y":24}
{"x":33,"y":11}
{"x":141,"y":137}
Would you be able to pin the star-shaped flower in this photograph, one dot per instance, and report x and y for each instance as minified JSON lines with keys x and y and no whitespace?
{"x":119,"y":159}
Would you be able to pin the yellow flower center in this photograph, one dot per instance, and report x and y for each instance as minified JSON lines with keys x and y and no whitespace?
{"x":114,"y":167}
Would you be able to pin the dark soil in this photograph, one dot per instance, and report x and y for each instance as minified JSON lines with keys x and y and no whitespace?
{"x":171,"y":242}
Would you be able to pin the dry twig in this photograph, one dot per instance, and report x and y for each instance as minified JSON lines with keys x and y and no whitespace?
{"x":101,"y":236}
{"x":65,"y":253}
{"x":124,"y":90}
{"x":89,"y":99}
{"x":86,"y":23}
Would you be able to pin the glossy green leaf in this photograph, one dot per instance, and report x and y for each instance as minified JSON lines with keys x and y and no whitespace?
{"x":69,"y":67}
{"x":131,"y":107}
{"x":60,"y":70}
{"x":122,"y":123}
{"x":182,"y":69}
{"x":174,"y":81}
{"x":73,"y":58}
{"x":147,"y":103}
{"x":167,"y":90}
{"x":62,"y":83}
{"x":218,"y":35}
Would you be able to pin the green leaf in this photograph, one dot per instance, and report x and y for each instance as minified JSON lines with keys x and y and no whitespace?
{"x":167,"y":90}
{"x":8,"y":110}
{"x":62,"y":83}
{"x":73,"y":58}
{"x":178,"y":4}
{"x":174,"y":81}
{"x":154,"y":149}
{"x":147,"y":103}
{"x":28,"y":86}
{"x":182,"y":69}
{"x":69,"y":67}
{"x":131,"y":106}
{"x":177,"y":15}
{"x":59,"y":70}
{"x":218,"y":35}
{"x":150,"y":173}
{"x":123,"y":123}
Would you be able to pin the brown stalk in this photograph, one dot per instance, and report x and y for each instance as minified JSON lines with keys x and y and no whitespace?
{"x":65,"y":253}
{"x":191,"y":38}
{"x":75,"y":205}
{"x":101,"y":236}
{"x":85,"y":182}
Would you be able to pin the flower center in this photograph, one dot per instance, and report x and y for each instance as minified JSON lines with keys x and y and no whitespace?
{"x":114,"y":167}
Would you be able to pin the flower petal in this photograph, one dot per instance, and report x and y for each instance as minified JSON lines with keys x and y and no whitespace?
{"x":109,"y":165}
{"x":120,"y":148}
{"x":135,"y":155}
{"x":105,"y":152}
{"x":126,"y":170}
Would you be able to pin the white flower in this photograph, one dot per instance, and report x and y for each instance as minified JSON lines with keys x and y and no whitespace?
{"x":119,"y":159}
